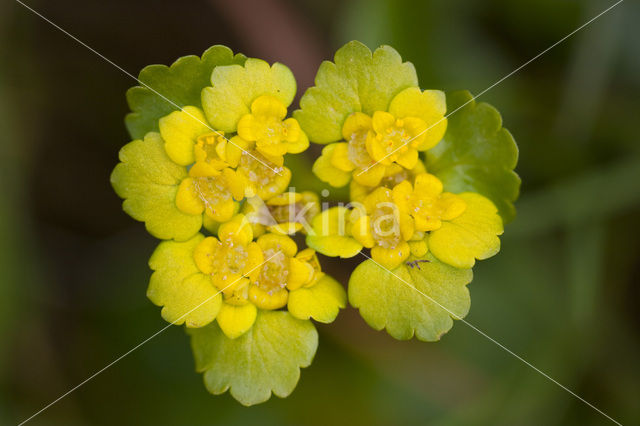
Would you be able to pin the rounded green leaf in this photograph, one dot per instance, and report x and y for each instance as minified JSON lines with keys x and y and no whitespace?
{"x":477,"y":154}
{"x":265,"y":359}
{"x":233,"y":89}
{"x":148,"y":181}
{"x":181,"y":84}
{"x":415,"y":298}
{"x":322,"y":301}
{"x":358,"y":80}
{"x":186,"y":295}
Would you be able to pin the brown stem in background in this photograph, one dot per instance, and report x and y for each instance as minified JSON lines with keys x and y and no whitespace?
{"x":276,"y":31}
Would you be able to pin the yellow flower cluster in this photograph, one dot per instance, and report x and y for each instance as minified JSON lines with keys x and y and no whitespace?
{"x":254,"y":275}
{"x":387,"y":142}
{"x":225,"y":169}
{"x":221,"y":166}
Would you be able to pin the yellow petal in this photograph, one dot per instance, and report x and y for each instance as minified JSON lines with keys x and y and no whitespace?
{"x":327,"y":172}
{"x":235,"y":320}
{"x":187,"y":199}
{"x":416,"y":128}
{"x":340,"y":157}
{"x":409,"y":159}
{"x":321,"y":301}
{"x":453,"y":206}
{"x":277,"y":160}
{"x":221,"y":211}
{"x":425,"y":224}
{"x":370,"y":176}
{"x":249,"y":128}
{"x":255,"y":261}
{"x":234,"y":183}
{"x":377,"y":198}
{"x":418,"y":248}
{"x":203,"y":252}
{"x":233,"y":150}
{"x":285,"y":199}
{"x":470,"y":236}
{"x":276,"y":186}
{"x":269,"y":148}
{"x":207,"y":169}
{"x":300,"y":273}
{"x":361,"y":231}
{"x":238,"y":228}
{"x":278,"y":242}
{"x":298,"y":145}
{"x":287,"y":228}
{"x":358,"y":192}
{"x":263,"y":300}
{"x":355,"y":123}
{"x":427,"y":185}
{"x":391,"y":257}
{"x":228,"y":283}
{"x":377,"y":151}
{"x":432,"y":136}
{"x":268,"y":107}
{"x":381,"y":121}
{"x":179,"y":130}
{"x":401,"y":194}
{"x":429,"y":105}
{"x":407,"y":227}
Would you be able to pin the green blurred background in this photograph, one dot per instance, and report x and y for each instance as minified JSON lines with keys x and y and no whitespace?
{"x":563,"y":293}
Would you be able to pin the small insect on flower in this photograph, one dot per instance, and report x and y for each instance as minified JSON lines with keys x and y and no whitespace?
{"x":416,"y":263}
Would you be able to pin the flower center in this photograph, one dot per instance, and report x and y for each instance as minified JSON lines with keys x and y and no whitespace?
{"x":275,"y":271}
{"x":289,"y":213}
{"x":227,"y":257}
{"x":357,"y":150}
{"x":385,"y":227}
{"x":206,"y":148}
{"x":257,"y":169}
{"x":393,"y":180}
{"x":212,"y":190}
{"x":395,"y":138}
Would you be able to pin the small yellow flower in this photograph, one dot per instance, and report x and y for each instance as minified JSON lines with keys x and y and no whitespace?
{"x":267,"y":127}
{"x":426,"y":202}
{"x":280,"y":273}
{"x":294,"y":279}
{"x":395,"y":139}
{"x":394,"y":175}
{"x":342,"y":161}
{"x":233,"y":262}
{"x":232,"y":259}
{"x":384,"y":227}
{"x":262,"y":176}
{"x":189,"y":138}
{"x":213,"y":195}
{"x":284,"y":214}
{"x":212,"y":185}
{"x":381,"y":145}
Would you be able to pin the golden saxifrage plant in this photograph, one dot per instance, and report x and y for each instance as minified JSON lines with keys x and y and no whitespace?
{"x":206,"y":172}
